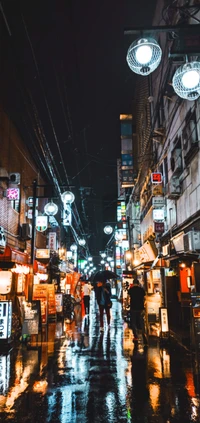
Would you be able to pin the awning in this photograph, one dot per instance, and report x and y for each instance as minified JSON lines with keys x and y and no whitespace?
{"x":159,"y":263}
{"x":13,"y":256}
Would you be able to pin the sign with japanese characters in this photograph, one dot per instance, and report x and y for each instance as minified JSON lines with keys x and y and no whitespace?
{"x":158,"y":201}
{"x":164,"y":320}
{"x":157,"y":189}
{"x":41,"y":223}
{"x":32,"y":318}
{"x":156,"y":178}
{"x":52,"y":240}
{"x":158,"y":214}
{"x":159,"y":227}
{"x":5,"y":319}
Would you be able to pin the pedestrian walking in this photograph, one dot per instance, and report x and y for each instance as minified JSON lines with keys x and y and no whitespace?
{"x":103,"y":297}
{"x":86,"y":296}
{"x":137,"y":301}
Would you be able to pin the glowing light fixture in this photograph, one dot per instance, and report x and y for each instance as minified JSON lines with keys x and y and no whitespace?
{"x":73,"y":247}
{"x":68,"y":197}
{"x":118,"y":236}
{"x":51,"y":209}
{"x":144,"y":56}
{"x":108,"y":230}
{"x":82,"y":242}
{"x":186,"y":81}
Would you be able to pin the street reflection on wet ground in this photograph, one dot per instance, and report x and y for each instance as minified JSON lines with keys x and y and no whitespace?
{"x":79,"y":374}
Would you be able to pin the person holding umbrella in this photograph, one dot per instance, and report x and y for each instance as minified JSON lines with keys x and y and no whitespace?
{"x":103,"y":297}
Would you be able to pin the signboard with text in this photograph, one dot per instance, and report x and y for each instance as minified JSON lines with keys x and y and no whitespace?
{"x":5,"y":319}
{"x":158,"y":201}
{"x":32,"y":318}
{"x":156,"y":178}
{"x":159,"y":227}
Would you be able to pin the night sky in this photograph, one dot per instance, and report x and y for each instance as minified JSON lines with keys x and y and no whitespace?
{"x":63,"y":67}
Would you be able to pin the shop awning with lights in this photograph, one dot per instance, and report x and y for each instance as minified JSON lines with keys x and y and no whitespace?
{"x":12,"y":256}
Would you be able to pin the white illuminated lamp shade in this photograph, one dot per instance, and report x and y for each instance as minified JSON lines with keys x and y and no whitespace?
{"x":51,"y":209}
{"x":73,"y":247}
{"x":82,"y":242}
{"x":144,"y":56}
{"x":68,"y":197}
{"x":108,"y":230}
{"x":186,"y":81}
{"x":118,"y":236}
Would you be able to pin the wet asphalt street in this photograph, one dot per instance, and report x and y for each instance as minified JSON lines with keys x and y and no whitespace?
{"x":77,"y":374}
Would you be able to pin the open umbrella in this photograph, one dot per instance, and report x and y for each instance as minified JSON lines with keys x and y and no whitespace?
{"x":104,"y":275}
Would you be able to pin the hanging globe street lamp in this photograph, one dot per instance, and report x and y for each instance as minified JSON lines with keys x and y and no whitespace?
{"x":108,"y":230}
{"x":82,"y":242}
{"x":68,"y":197}
{"x":144,"y":56}
{"x":51,"y":209}
{"x":186,"y":81}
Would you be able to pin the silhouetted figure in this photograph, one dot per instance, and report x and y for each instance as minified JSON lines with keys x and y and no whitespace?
{"x":137,"y":299}
{"x":103,"y":297}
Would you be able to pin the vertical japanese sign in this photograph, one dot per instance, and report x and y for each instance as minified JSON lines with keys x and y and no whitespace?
{"x":52,"y":240}
{"x":5,"y":319}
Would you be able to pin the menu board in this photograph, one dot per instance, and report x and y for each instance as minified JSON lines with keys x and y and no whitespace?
{"x":32,"y":318}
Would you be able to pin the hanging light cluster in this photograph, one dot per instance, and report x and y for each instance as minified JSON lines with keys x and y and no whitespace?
{"x":144,"y":56}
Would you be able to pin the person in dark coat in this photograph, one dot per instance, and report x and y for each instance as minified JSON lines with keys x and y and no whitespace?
{"x":103,"y":297}
{"x":137,"y":301}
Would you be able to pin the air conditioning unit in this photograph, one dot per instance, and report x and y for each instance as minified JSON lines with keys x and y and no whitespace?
{"x":191,"y":241}
{"x":190,"y":141}
{"x":165,"y":250}
{"x":14,"y":178}
{"x":26,"y":232}
{"x":174,"y":189}
{"x":176,"y":162}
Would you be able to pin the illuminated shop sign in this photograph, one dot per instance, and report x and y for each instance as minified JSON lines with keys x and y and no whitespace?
{"x":41,"y":223}
{"x":158,"y":214}
{"x":12,"y":193}
{"x":5,"y":281}
{"x":158,"y":201}
{"x":5,"y":319}
{"x":43,"y":253}
{"x":156,"y":178}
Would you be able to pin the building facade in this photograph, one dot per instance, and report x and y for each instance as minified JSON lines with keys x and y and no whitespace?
{"x":167,"y":184}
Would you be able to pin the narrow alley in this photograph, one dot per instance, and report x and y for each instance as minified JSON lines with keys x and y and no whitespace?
{"x":81,"y":374}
